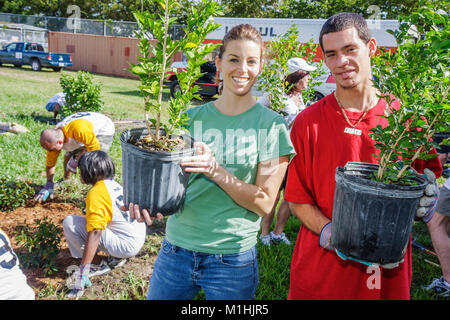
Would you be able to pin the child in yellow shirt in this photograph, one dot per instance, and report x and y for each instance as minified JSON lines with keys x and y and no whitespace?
{"x":105,"y":226}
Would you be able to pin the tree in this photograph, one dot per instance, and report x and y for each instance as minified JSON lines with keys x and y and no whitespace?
{"x":307,"y":9}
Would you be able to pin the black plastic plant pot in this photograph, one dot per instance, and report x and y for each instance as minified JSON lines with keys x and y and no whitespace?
{"x":153,"y":180}
{"x":438,"y":137}
{"x":372,"y":221}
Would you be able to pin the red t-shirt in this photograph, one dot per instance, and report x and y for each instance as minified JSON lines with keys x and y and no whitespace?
{"x":321,"y":146}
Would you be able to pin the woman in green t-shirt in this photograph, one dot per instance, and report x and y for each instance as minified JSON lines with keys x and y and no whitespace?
{"x":243,"y":151}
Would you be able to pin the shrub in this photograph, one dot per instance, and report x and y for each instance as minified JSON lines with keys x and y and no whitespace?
{"x":417,"y":75}
{"x":82,"y":94}
{"x":14,"y":194}
{"x":42,"y":243}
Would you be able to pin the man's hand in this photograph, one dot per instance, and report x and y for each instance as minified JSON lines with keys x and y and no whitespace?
{"x":72,"y":165}
{"x":325,"y":237}
{"x":45,"y":193}
{"x":367,"y":263}
{"x":428,"y":202}
{"x":325,"y":242}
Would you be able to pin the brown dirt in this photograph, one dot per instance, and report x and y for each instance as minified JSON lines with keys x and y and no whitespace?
{"x":108,"y":286}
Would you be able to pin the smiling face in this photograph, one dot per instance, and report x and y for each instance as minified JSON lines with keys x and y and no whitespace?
{"x":240,"y":64}
{"x":348,"y":57}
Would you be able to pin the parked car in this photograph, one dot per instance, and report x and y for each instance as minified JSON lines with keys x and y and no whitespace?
{"x":327,"y":86}
{"x":208,"y":82}
{"x":33,"y":54}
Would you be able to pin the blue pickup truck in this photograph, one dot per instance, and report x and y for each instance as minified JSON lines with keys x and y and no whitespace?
{"x":33,"y":54}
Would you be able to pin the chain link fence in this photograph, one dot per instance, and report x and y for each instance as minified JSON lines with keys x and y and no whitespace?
{"x":78,"y":25}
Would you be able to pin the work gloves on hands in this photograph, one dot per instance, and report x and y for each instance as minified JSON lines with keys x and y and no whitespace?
{"x":325,"y":242}
{"x":428,"y":202}
{"x":72,"y":165}
{"x":45,"y":193}
{"x":81,"y":282}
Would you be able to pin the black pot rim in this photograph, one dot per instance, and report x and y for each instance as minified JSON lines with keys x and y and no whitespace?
{"x":370,"y":167}
{"x":124,"y":136}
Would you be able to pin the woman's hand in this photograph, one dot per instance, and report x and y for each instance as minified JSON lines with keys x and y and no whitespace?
{"x":203,"y":162}
{"x":144,"y":216}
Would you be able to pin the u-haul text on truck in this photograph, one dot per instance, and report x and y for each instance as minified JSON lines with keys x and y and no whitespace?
{"x":271,"y":28}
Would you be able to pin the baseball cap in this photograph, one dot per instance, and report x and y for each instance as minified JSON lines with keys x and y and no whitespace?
{"x":295,"y":64}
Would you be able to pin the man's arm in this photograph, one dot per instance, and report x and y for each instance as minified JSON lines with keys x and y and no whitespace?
{"x":310,"y":216}
{"x":50,"y":172}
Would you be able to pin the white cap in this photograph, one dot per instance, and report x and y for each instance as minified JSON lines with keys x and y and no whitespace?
{"x":295,"y":64}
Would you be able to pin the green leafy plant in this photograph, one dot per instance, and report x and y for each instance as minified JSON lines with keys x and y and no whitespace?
{"x":156,"y":57}
{"x":14,"y":194}
{"x":417,"y":74}
{"x":42,"y":244}
{"x":279,"y":51}
{"x":82,"y":94}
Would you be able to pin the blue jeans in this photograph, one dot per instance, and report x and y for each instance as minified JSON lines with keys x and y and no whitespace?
{"x":179,"y":274}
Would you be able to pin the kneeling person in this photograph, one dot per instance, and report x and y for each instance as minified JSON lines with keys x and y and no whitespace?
{"x":105,"y":226}
{"x":77,"y":133}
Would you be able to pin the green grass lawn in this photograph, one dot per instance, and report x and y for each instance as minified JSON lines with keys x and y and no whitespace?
{"x":23,"y":95}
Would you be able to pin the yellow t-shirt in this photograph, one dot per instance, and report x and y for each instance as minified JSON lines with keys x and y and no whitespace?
{"x":103,"y":204}
{"x":81,"y":129}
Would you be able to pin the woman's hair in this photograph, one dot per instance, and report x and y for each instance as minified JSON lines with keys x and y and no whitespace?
{"x":241,"y":32}
{"x":95,"y":166}
{"x":293,"y":78}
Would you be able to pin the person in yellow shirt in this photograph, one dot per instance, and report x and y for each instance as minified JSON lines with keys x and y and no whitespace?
{"x":105,"y":228}
{"x":77,"y":133}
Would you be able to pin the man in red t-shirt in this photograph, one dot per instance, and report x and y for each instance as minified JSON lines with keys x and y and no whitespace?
{"x":326,"y":135}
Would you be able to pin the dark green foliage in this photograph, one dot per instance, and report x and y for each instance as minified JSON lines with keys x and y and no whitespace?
{"x":416,"y":74}
{"x":14,"y":194}
{"x":42,"y":244}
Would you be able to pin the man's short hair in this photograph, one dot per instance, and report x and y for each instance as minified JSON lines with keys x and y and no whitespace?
{"x":95,"y":166}
{"x":345,"y":20}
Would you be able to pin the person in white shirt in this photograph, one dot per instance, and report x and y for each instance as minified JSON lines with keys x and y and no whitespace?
{"x":297,"y":78}
{"x":13,"y":283}
{"x":55,"y":103}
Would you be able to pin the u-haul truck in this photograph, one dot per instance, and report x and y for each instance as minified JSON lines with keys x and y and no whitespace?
{"x":307,"y":28}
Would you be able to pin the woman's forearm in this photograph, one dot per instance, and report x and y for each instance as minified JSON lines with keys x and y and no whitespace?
{"x":259,"y":197}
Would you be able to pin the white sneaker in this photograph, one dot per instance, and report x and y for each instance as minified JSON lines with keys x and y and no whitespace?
{"x":114,"y":262}
{"x":279,"y":238}
{"x":98,"y":270}
{"x":439,"y":287}
{"x":265,"y":240}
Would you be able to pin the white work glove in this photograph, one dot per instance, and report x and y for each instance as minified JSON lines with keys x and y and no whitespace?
{"x":72,"y":165}
{"x":428,"y":202}
{"x":45,"y":193}
{"x":81,"y":281}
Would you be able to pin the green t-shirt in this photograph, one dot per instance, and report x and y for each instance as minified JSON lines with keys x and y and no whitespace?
{"x":210,"y":221}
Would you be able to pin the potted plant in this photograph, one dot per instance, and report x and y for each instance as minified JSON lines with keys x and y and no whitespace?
{"x":375,"y":205}
{"x":152,"y":175}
